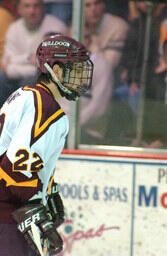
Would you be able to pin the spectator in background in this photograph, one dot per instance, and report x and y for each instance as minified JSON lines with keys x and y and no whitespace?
{"x":161,"y":67}
{"x":118,"y":7}
{"x":127,"y":91}
{"x":163,"y":33}
{"x":7,"y":16}
{"x":161,"y":117}
{"x":23,"y":37}
{"x":132,"y":60}
{"x":62,"y":9}
{"x":95,"y":103}
{"x":108,"y":32}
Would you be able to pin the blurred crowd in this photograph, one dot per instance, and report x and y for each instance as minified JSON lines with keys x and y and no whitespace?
{"x":115,"y":34}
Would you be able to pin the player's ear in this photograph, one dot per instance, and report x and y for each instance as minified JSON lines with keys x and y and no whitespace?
{"x":58,"y":71}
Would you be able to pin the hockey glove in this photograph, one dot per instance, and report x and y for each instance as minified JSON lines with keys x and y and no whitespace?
{"x":55,"y":205}
{"x":37,"y":214}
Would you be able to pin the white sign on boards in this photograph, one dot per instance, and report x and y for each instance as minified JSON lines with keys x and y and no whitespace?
{"x":114,"y":207}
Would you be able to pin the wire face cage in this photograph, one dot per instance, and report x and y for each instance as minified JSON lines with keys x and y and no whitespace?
{"x":78,"y":76}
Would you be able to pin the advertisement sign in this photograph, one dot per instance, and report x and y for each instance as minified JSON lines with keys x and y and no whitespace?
{"x":150,"y":211}
{"x":113,"y":207}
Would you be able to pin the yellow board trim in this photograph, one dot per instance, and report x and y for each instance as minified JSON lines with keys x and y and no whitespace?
{"x":12,"y":182}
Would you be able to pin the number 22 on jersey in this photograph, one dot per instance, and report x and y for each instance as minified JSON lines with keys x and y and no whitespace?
{"x":22,"y":156}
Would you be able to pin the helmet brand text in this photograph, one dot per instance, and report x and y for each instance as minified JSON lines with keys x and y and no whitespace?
{"x":56,"y":43}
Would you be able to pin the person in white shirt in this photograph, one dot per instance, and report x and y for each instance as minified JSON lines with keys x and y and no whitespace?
{"x":94,"y":107}
{"x":23,"y":37}
{"x":108,"y":32}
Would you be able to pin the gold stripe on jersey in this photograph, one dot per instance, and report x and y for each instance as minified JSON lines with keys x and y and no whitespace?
{"x":40,"y":128}
{"x":50,"y":185}
{"x":43,"y":87}
{"x":12,"y":182}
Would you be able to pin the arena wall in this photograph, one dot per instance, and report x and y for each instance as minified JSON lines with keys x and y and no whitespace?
{"x":116,"y":203}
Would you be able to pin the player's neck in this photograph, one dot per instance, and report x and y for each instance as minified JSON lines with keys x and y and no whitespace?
{"x":53,"y":88}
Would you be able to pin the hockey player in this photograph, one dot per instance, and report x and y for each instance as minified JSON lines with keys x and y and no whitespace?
{"x":33,"y":129}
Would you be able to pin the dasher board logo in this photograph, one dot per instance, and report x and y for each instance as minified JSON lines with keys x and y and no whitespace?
{"x":56,"y":43}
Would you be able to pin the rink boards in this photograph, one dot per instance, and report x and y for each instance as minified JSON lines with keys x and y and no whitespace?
{"x":115,"y":206}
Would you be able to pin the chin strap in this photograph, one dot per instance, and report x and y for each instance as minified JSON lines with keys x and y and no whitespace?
{"x":64,"y":91}
{"x":56,"y":80}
